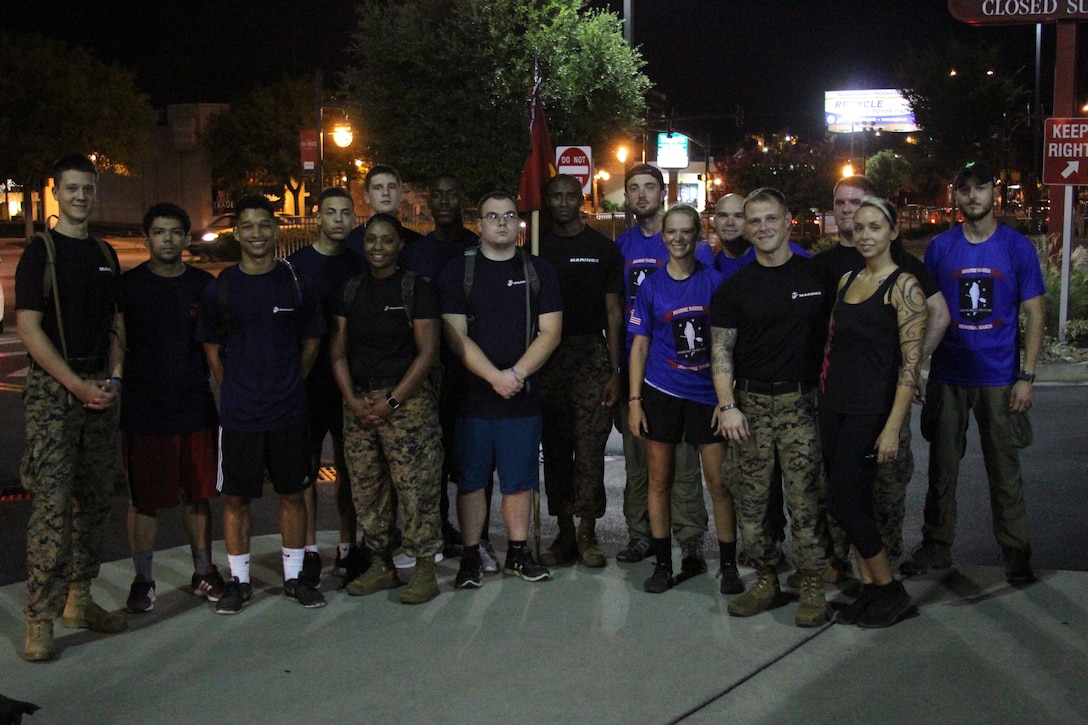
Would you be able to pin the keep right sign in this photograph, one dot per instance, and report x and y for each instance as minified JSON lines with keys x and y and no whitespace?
{"x":1065,"y":151}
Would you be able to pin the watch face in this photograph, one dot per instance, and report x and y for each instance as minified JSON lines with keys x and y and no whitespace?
{"x":393,"y":402}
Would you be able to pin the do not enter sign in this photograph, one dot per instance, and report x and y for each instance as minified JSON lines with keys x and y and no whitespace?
{"x":577,"y":161}
{"x":1065,"y":151}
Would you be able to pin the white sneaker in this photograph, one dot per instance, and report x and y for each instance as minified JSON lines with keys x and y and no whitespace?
{"x":490,"y":563}
{"x":403,"y":561}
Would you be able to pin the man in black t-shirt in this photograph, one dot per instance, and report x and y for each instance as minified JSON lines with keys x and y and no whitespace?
{"x":168,"y":416}
{"x":70,"y":398}
{"x":502,"y":319}
{"x":893,"y":477}
{"x":768,"y":324}
{"x":582,"y":378}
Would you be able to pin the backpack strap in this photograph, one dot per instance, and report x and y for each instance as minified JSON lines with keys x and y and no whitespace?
{"x":351,"y":288}
{"x":50,"y":286}
{"x":532,"y":290}
{"x":470,"y":270}
{"x":408,"y":294}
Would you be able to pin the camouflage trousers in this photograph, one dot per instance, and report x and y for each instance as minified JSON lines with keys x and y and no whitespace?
{"x":889,"y":501}
{"x":402,"y":457}
{"x":576,"y":427}
{"x":786,"y":425}
{"x":71,"y":465}
{"x":689,"y":516}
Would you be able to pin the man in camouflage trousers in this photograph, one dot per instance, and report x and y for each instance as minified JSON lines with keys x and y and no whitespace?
{"x":768,"y":324}
{"x":581,"y":381}
{"x":70,"y":398}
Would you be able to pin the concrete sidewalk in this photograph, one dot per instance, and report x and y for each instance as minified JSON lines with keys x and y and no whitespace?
{"x":588,"y":647}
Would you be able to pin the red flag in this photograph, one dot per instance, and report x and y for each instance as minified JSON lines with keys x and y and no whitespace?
{"x":540,"y":166}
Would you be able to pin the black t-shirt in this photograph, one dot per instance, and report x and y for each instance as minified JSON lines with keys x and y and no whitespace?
{"x":326,"y":275}
{"x":589,"y":266}
{"x":166,"y":390}
{"x":356,"y":236}
{"x":88,"y":293}
{"x":839,"y":259}
{"x":381,"y":341}
{"x":498,"y":303}
{"x":780,"y":314}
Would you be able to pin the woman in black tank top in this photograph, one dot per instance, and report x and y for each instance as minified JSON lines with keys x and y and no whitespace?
{"x":870,"y":373}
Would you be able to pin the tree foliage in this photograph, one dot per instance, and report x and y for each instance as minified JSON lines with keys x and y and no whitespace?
{"x":57,"y":100}
{"x":804,"y":173}
{"x":441,"y":85}
{"x":890,"y":171}
{"x":962,"y":112}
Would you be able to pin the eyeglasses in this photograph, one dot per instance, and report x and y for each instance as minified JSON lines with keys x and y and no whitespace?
{"x":494,"y":218}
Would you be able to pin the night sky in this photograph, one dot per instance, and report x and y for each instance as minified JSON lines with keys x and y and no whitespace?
{"x":773,"y":57}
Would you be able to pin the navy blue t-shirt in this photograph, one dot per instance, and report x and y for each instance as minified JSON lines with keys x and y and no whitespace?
{"x":429,"y":255}
{"x":498,"y":303}
{"x":166,"y":390}
{"x":262,"y":387}
{"x":326,"y":275}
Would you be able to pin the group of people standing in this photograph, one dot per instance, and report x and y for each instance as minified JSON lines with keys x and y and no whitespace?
{"x":453,"y":357}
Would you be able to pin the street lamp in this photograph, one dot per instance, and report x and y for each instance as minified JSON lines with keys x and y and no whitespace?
{"x":600,"y":176}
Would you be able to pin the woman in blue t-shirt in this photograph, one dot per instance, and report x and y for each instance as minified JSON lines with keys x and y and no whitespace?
{"x":383,"y":348}
{"x":870,"y":373}
{"x":672,"y":392}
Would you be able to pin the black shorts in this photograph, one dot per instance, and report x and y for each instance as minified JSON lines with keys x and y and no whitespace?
{"x":245,"y":456}
{"x":671,"y":419}
{"x":326,"y":411}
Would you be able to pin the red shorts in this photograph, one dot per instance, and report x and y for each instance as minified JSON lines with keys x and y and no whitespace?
{"x":163,"y":471}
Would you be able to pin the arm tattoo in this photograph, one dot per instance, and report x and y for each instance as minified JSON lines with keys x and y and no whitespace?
{"x":911,"y":312}
{"x":723,"y":340}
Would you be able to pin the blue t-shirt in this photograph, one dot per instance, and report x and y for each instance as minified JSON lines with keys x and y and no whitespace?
{"x":167,"y":390}
{"x":326,"y":276}
{"x":729,"y":265}
{"x":675,"y":315}
{"x":262,"y":389}
{"x":983,"y":285}
{"x":428,"y":256}
{"x":497,"y":301}
{"x":643,"y":256}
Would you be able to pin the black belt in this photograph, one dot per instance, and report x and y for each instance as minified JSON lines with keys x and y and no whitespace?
{"x":762,"y":387}
{"x":375,"y":383}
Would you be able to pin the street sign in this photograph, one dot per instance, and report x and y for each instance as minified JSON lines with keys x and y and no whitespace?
{"x":1065,"y":151}
{"x":1011,"y":12}
{"x":577,"y":161}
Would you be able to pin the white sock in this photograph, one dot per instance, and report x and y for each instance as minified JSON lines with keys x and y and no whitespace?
{"x":312,"y":547}
{"x":292,"y":563}
{"x":239,"y":566}
{"x":345,"y":549}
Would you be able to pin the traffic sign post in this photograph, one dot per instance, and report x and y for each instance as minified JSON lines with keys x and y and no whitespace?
{"x":1065,"y":163}
{"x":576,"y":161}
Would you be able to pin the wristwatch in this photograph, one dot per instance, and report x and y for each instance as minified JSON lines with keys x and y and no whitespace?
{"x":392,"y":402}
{"x":1026,"y":376}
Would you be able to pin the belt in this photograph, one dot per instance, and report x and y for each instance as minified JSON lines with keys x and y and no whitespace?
{"x":375,"y":383}
{"x":762,"y":387}
{"x":82,"y":365}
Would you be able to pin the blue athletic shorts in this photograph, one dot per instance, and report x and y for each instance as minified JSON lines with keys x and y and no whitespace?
{"x":510,"y":446}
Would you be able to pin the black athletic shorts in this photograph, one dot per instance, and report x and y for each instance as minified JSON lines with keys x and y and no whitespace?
{"x":246,"y":456}
{"x":671,"y":419}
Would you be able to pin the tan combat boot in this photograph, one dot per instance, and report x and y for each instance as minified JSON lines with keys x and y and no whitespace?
{"x":760,"y":597}
{"x":39,"y":641}
{"x":423,"y":586}
{"x":381,"y":575}
{"x":81,"y":612}
{"x":812,"y":607}
{"x":590,"y":550}
{"x":564,"y":550}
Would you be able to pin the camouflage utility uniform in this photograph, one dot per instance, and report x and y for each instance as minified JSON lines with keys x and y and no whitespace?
{"x":403,"y":453}
{"x":576,"y":426}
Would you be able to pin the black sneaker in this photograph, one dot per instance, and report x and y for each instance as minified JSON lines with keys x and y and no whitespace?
{"x":520,"y":563}
{"x":890,"y":603}
{"x":303,"y":593}
{"x":1017,"y":567}
{"x":924,"y":557}
{"x":141,"y":596}
{"x":235,"y":595}
{"x":635,"y":551}
{"x":354,"y":565}
{"x":311,"y":570}
{"x":660,"y":581}
{"x":471,"y":573}
{"x":692,"y":561}
{"x":850,"y":613}
{"x":731,"y":583}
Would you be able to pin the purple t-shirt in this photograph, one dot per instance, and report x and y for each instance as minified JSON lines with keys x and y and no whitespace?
{"x":983,"y":285}
{"x":675,"y":315}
